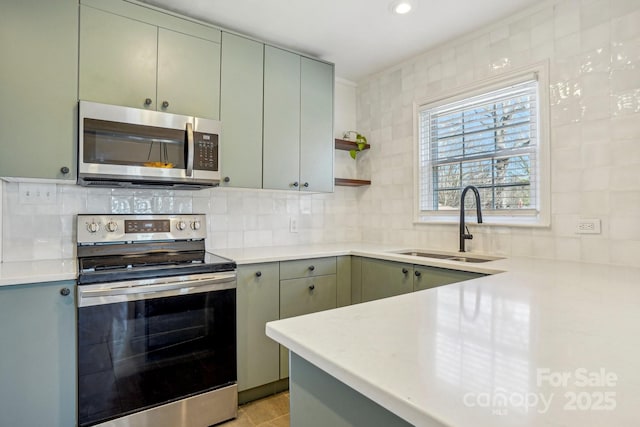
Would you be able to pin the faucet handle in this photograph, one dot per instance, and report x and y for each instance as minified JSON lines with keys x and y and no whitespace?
{"x":467,"y":235}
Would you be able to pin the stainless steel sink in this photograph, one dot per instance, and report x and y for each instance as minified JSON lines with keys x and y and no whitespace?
{"x":449,"y":257}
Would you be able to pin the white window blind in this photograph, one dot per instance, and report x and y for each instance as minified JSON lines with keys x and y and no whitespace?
{"x":490,"y":141}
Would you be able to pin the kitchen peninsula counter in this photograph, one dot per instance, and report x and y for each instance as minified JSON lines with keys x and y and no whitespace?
{"x":547,"y":343}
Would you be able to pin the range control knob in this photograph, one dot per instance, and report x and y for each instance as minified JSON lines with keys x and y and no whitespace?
{"x":181,"y":225}
{"x":111,"y":226}
{"x":195,"y":225}
{"x":93,"y":227}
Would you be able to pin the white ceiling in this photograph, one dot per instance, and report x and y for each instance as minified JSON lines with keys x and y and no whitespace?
{"x":360,"y":36}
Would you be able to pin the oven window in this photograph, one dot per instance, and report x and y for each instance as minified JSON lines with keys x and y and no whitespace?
{"x":113,"y":143}
{"x":139,"y":354}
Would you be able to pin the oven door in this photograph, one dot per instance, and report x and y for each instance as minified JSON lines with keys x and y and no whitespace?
{"x":146,"y":343}
{"x":122,"y":144}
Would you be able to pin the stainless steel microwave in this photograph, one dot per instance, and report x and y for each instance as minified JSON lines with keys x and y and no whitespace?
{"x":129,"y":147}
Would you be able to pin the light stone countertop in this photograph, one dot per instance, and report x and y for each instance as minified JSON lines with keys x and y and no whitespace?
{"x":454,"y":355}
{"x":25,"y":272}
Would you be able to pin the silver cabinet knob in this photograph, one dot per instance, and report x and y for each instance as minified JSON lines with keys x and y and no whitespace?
{"x":258,"y":273}
{"x":295,"y":184}
{"x":226,"y":179}
{"x":165,"y":104}
{"x":65,"y":292}
{"x":306,"y":185}
{"x":64,"y":170}
{"x":147,"y":101}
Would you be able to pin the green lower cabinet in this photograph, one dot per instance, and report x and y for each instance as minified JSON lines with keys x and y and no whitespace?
{"x":430,"y":277}
{"x":38,"y":360}
{"x":257,"y":303}
{"x":304,"y":296}
{"x":382,"y":279}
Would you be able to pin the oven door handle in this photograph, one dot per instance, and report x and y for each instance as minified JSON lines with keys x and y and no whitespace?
{"x":141,"y":290}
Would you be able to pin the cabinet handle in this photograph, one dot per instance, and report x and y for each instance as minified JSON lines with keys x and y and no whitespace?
{"x":306,"y":185}
{"x":65,"y":292}
{"x":311,"y":268}
{"x":148,"y":101}
{"x":417,"y":273}
{"x":405,"y":271}
{"x":312,"y":287}
{"x":64,"y":170}
{"x":226,"y":179}
{"x":258,"y":273}
{"x":295,"y":184}
{"x":165,"y":104}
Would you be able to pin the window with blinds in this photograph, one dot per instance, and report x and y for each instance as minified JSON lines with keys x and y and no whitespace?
{"x":489,"y":141}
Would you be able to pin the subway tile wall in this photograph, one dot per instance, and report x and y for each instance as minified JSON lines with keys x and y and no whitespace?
{"x":593,"y":47}
{"x":236,"y":218}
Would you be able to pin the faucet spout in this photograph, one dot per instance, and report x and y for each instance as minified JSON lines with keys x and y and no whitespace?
{"x":466,"y":235}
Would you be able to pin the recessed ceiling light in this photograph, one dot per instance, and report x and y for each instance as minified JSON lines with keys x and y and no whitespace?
{"x":401,"y":7}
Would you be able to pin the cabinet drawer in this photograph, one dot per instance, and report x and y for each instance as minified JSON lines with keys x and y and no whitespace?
{"x":308,"y":295}
{"x":307,"y":268}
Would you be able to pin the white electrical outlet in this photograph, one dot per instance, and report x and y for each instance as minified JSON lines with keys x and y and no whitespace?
{"x":588,"y":226}
{"x":37,"y":194}
{"x":293,"y":225}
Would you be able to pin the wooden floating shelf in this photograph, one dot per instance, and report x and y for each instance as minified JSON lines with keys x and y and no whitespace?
{"x":343,"y":144}
{"x":346,"y":182}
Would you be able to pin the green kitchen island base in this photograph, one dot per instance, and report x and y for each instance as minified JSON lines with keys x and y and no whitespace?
{"x":319,"y":400}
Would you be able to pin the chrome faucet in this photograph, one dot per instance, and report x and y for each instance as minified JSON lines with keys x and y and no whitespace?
{"x":464,"y":231}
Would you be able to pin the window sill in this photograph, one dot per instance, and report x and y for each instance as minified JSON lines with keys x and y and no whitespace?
{"x":500,"y":221}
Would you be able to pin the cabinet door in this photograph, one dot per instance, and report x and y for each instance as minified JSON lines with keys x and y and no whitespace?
{"x":241,"y":111}
{"x":257,"y":303}
{"x":38,"y":363}
{"x":431,"y":277}
{"x":381,"y":279}
{"x":188,"y":75}
{"x":316,"y":126}
{"x":118,"y":59}
{"x":38,"y":93}
{"x":304,"y":296}
{"x":281,"y":164}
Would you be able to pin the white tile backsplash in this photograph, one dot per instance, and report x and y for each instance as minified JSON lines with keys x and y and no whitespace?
{"x":235,"y":218}
{"x":593,"y":48}
{"x":594,"y":52}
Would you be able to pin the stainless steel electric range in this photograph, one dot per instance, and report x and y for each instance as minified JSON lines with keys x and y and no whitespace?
{"x":156,"y":323}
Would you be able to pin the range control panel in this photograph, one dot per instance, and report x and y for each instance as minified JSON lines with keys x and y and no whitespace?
{"x":134,"y":228}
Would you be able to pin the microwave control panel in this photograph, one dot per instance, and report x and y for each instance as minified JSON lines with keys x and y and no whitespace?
{"x":206,"y":151}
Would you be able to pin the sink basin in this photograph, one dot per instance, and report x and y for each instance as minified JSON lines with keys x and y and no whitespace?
{"x":449,"y":257}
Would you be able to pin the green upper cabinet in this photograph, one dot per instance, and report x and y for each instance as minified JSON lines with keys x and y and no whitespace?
{"x":316,"y":126}
{"x":143,"y":58}
{"x":298,"y":122}
{"x":38,"y":94}
{"x":38,"y":363}
{"x":188,"y":75}
{"x":281,"y":119}
{"x":118,"y":59}
{"x":241,"y":111}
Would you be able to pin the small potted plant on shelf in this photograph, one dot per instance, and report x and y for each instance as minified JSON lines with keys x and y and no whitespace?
{"x":359,"y":139}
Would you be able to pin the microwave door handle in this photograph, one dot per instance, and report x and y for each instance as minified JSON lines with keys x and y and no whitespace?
{"x":190,"y":149}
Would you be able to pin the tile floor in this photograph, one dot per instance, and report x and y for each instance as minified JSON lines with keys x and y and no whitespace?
{"x":272,"y":411}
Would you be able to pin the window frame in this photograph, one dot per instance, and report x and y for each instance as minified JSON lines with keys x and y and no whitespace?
{"x":540,"y":217}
